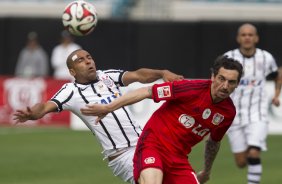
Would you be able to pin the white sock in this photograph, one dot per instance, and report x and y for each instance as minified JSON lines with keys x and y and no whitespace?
{"x":254,"y":172}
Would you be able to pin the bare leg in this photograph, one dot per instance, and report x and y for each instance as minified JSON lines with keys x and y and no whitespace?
{"x":241,"y":159}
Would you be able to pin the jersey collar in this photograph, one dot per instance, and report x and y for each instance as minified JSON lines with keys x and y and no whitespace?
{"x":87,"y":83}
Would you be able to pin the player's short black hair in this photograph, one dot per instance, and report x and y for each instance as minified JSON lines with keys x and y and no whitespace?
{"x":227,"y":63}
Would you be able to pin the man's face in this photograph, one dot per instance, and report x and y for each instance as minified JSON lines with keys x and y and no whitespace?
{"x":84,"y":69}
{"x":223,"y":84}
{"x":247,"y":37}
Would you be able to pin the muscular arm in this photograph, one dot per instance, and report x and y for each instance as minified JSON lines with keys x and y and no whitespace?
{"x":211,"y":150}
{"x":131,"y":98}
{"x":145,"y":75}
{"x":101,"y":110}
{"x":35,"y":112}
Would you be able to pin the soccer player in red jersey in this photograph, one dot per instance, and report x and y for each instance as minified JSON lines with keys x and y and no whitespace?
{"x":193,"y":109}
{"x":248,"y":132}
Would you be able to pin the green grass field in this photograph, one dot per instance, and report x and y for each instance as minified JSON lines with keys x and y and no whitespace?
{"x":63,"y":156}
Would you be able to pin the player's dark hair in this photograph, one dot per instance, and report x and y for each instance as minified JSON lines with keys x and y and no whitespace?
{"x":227,"y":63}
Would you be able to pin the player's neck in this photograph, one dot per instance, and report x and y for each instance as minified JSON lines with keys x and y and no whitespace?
{"x":248,"y":52}
{"x":214,"y":97}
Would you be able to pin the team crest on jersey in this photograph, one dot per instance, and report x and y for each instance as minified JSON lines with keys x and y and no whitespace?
{"x":186,"y":120}
{"x":163,"y":91}
{"x":217,"y":118}
{"x":107,"y":81}
{"x":100,"y":86}
{"x":206,"y":114}
{"x":150,"y":160}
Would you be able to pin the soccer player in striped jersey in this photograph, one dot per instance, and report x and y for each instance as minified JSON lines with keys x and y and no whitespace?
{"x":193,"y":110}
{"x":117,"y":132}
{"x":247,"y":135}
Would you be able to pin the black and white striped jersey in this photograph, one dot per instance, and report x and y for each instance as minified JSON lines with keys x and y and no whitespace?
{"x":117,"y":129}
{"x":250,"y":97}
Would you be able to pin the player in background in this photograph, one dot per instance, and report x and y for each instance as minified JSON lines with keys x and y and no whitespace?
{"x":59,"y":56}
{"x":118,"y":132}
{"x":33,"y":59}
{"x":193,"y":110}
{"x":247,"y":135}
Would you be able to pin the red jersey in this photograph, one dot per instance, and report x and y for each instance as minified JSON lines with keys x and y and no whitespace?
{"x":187,"y":116}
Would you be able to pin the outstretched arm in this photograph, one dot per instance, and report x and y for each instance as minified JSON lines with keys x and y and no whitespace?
{"x":145,"y":75}
{"x":101,"y":110}
{"x":211,"y":151}
{"x":35,"y":112}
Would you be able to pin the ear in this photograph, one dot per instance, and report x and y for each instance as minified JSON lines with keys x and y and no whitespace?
{"x":72,"y":72}
{"x":257,"y":39}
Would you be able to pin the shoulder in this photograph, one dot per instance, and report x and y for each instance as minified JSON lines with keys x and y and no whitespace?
{"x":266,"y":57}
{"x":99,"y":72}
{"x":264,"y":52}
{"x":68,"y":86}
{"x":195,"y":82}
{"x":108,"y":72}
{"x":115,"y":74}
{"x":232,"y":53}
{"x":66,"y":90}
{"x":75,"y":46}
{"x":41,"y":49}
{"x":229,"y":107}
{"x":59,"y":46}
{"x":113,"y":71}
{"x":192,"y":84}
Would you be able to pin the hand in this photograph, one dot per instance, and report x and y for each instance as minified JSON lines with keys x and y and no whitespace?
{"x":21,"y":116}
{"x":203,"y":177}
{"x":169,"y":76}
{"x":276,"y":101}
{"x":98,"y":110}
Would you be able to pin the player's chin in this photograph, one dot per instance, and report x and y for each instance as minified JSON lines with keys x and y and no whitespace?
{"x":92,"y":73}
{"x":223,"y":95}
{"x":91,"y":76}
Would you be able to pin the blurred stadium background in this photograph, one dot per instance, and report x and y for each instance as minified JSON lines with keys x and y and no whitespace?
{"x":182,"y":35}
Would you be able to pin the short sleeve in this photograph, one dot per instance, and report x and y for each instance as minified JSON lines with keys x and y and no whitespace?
{"x":116,"y":76}
{"x":63,"y":96}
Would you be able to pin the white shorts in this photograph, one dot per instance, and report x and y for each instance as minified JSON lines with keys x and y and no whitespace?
{"x":253,"y":134}
{"x":122,"y":166}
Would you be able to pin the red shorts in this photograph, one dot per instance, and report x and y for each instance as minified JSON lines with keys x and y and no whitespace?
{"x":176,"y":169}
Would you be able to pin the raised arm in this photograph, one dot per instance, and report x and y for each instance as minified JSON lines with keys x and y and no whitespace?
{"x":211,"y":150}
{"x":35,"y":112}
{"x":145,"y":75}
{"x":101,"y":110}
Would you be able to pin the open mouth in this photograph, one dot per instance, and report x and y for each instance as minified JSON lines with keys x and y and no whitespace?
{"x":224,"y":92}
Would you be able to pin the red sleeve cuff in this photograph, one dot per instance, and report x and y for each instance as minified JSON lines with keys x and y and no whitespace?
{"x":162,"y":91}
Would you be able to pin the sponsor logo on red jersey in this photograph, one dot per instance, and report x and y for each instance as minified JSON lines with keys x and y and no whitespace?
{"x":217,"y":118}
{"x":149,"y":160}
{"x":186,"y":120}
{"x":206,"y":114}
{"x":164,"y":91}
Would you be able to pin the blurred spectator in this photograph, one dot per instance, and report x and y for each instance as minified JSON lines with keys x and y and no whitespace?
{"x":32,"y":60}
{"x":60,"y":54}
